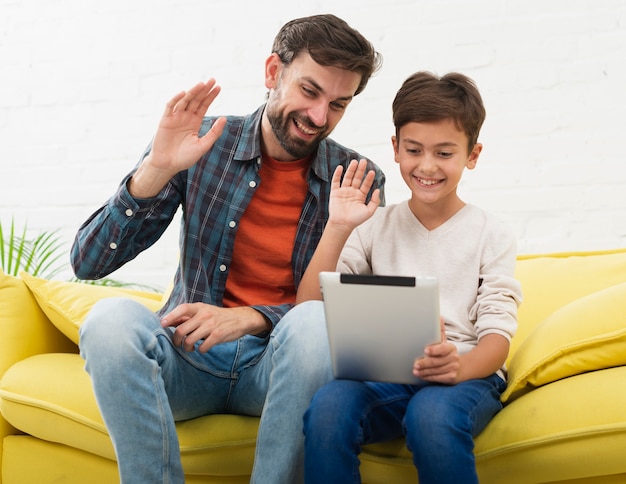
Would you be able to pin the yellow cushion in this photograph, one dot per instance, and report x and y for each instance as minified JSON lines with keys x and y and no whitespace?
{"x":569,"y":429}
{"x":551,"y":281}
{"x":54,"y":463}
{"x":585,"y":335}
{"x":50,"y":397}
{"x":67,"y":303}
{"x":24,"y":327}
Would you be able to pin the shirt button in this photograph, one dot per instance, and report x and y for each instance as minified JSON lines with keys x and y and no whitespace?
{"x":223,"y":267}
{"x":113,"y":245}
{"x":232,"y":224}
{"x":128,"y":212}
{"x":252,"y":184}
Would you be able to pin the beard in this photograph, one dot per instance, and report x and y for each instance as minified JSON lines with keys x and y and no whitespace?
{"x":296,"y":147}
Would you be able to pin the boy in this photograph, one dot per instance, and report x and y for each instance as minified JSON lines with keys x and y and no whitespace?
{"x":434,"y":233}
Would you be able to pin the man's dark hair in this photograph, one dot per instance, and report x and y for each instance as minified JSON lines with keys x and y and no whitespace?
{"x":330,"y":41}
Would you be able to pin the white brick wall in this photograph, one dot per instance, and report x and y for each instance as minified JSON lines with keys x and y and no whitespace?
{"x":83,"y":83}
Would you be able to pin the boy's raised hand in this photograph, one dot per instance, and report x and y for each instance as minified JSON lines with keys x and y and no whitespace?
{"x":347,"y":205}
{"x":347,"y":209}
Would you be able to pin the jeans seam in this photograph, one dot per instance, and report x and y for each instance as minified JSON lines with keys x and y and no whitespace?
{"x":380,"y":403}
{"x":483,"y":397}
{"x":164,"y":430}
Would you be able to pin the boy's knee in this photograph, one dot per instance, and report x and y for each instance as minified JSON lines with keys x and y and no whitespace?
{"x":321,"y":416}
{"x":434,"y":421}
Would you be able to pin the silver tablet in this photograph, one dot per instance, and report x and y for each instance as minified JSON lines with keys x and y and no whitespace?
{"x":377,"y":325}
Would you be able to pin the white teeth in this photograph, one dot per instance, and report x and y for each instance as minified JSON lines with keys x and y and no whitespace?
{"x":304,"y":129}
{"x":427,"y":182}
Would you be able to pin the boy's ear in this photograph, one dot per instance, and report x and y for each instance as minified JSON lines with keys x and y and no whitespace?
{"x":394,"y":143}
{"x":273,"y":66}
{"x":473,"y":156}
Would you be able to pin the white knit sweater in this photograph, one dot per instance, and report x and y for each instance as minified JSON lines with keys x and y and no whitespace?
{"x":473,"y":255}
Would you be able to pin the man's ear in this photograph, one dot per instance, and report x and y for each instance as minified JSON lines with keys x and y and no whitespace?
{"x":473,"y":156}
{"x":273,"y":66}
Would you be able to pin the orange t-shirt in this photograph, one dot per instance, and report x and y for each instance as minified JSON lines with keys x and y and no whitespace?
{"x":261,"y":271}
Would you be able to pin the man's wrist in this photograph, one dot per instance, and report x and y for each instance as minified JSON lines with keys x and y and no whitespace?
{"x":147,"y":182}
{"x":264,"y":324}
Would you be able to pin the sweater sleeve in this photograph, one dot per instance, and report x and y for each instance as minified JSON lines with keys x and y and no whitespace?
{"x":499,"y":293}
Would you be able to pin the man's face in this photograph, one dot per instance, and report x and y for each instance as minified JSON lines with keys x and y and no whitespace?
{"x":305,"y":103}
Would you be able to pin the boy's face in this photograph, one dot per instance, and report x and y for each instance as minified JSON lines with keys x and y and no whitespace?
{"x":432,"y":157}
{"x":305,"y":103}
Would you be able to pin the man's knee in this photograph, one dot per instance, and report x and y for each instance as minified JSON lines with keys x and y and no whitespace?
{"x":303,"y":331}
{"x":302,"y":342}
{"x":113,"y":322}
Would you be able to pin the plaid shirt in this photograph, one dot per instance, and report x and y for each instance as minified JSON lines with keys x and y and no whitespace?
{"x":214,"y":194}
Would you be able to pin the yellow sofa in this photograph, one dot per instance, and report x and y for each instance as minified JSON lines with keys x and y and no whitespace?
{"x":564,"y":418}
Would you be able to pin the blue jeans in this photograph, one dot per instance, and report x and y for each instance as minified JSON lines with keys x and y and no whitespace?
{"x":438,"y":421}
{"x":144,"y":384}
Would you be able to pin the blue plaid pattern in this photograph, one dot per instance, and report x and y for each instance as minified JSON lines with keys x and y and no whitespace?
{"x":213,"y":195}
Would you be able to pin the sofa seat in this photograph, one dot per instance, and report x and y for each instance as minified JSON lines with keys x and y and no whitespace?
{"x":564,"y":419}
{"x":49,"y":397}
{"x":579,"y":437}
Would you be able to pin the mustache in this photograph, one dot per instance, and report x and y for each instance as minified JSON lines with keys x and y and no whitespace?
{"x":305,"y":120}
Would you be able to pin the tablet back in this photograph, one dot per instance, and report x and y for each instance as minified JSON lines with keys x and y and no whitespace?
{"x":378,"y":325}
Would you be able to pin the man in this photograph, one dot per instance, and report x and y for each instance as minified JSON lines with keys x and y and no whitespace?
{"x":254,"y":195}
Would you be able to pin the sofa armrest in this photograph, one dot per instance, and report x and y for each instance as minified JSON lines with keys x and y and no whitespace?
{"x":25,"y":330}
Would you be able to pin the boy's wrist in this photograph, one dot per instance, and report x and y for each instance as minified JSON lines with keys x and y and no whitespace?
{"x":338,"y":228}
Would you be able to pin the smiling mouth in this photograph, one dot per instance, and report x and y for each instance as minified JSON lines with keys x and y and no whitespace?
{"x":305,"y":129}
{"x":427,"y":182}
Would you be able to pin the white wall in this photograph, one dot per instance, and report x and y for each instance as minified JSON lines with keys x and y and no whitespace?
{"x":84,"y":82}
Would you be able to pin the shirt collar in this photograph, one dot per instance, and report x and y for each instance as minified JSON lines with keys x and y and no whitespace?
{"x":249,"y":146}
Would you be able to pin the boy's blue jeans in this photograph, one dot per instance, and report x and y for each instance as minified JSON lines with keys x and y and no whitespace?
{"x":143,"y":384}
{"x":438,"y":421}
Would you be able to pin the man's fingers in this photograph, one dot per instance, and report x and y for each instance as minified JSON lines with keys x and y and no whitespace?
{"x":211,"y":92}
{"x":208,"y":140}
{"x":178,"y":315}
{"x":170,"y":107}
{"x":195,"y":100}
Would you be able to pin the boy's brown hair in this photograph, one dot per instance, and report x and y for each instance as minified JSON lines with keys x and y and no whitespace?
{"x":330,"y":41}
{"x":425,"y":97}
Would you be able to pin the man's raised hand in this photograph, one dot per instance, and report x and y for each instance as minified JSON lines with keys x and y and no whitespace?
{"x":176,"y":145}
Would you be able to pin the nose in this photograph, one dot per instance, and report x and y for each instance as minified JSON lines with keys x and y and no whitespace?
{"x":428,"y":164}
{"x":318,"y":113}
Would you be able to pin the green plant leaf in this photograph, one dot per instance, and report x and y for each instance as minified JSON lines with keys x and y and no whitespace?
{"x":39,"y":256}
{"x":43,"y":256}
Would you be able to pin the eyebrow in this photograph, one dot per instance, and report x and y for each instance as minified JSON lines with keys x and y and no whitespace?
{"x":321,"y":90}
{"x":438,"y":145}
